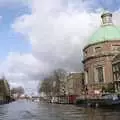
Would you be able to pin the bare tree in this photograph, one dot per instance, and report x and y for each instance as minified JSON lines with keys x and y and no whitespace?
{"x":18,"y":90}
{"x":46,"y":86}
{"x":60,"y":78}
{"x":52,"y":83}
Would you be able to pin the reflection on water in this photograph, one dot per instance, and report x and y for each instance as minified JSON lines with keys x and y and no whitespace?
{"x":23,"y":110}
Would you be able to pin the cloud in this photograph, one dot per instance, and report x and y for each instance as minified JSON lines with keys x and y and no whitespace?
{"x":57,"y":33}
{"x":14,"y":84}
{"x":22,"y":70}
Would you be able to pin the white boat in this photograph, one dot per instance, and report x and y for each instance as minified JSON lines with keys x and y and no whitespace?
{"x":36,"y":100}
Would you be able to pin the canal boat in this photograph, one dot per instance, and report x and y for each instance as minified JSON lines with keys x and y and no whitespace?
{"x":110,"y":100}
{"x":106,"y":100}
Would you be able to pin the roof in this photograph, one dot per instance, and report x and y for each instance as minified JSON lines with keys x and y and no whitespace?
{"x":107,"y":31}
{"x":106,"y":13}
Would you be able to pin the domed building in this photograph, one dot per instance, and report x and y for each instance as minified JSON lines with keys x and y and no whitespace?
{"x":103,"y":46}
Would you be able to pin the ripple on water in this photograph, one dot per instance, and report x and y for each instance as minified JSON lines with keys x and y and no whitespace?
{"x":22,"y":110}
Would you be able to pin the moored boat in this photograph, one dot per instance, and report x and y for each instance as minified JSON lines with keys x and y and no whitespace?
{"x":106,"y":100}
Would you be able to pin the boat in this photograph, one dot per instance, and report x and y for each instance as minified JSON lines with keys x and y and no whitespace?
{"x":106,"y":100}
{"x":36,"y":100}
{"x":110,"y":100}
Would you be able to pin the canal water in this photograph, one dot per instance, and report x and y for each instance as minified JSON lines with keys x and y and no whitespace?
{"x":27,"y":110}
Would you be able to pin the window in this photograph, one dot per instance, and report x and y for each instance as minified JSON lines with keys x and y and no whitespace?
{"x":86,"y":77}
{"x":119,"y":67}
{"x":114,"y":77}
{"x":116,"y":47}
{"x":116,"y":71}
{"x":97,"y":49}
{"x":86,"y":53}
{"x":82,"y":81}
{"x":100,"y":74}
{"x":107,"y":19}
{"x":99,"y":77}
{"x":113,"y":68}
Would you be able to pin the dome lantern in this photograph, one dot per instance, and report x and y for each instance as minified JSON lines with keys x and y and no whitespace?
{"x":107,"y":31}
{"x":106,"y":18}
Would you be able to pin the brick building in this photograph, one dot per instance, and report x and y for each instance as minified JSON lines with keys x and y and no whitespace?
{"x":103,"y":46}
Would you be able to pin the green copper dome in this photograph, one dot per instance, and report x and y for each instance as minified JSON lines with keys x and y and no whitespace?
{"x":107,"y":31}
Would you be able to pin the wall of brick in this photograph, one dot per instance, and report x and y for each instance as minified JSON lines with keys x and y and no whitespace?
{"x":103,"y":57}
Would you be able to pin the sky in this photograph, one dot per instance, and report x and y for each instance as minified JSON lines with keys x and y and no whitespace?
{"x":38,"y":36}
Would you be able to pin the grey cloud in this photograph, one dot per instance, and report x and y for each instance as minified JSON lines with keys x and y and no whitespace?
{"x":57,"y":39}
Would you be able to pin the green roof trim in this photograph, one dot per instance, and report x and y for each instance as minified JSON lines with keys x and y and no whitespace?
{"x":105,"y":33}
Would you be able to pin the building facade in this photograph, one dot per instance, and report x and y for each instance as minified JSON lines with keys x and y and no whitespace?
{"x":74,"y":85}
{"x":4,"y":90}
{"x":116,"y":72}
{"x":103,"y":46}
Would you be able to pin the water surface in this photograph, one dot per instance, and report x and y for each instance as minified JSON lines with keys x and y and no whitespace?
{"x":27,"y":110}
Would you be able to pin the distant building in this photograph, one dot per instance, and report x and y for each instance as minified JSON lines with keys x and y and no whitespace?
{"x":103,"y":46}
{"x":70,"y":87}
{"x":4,"y":90}
{"x":61,"y":97}
{"x":42,"y":94}
{"x":74,"y":85}
{"x":15,"y":96}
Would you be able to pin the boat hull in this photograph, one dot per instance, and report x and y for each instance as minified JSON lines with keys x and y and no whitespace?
{"x":102,"y":103}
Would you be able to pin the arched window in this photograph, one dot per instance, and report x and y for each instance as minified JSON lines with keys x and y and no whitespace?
{"x":99,"y":77}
